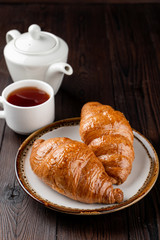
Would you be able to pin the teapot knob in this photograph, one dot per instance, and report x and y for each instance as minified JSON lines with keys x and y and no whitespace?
{"x":34,"y":31}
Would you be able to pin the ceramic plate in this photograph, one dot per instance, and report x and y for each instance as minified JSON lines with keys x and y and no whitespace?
{"x":142,"y":178}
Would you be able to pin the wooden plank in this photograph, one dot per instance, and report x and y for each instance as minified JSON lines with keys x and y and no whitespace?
{"x":91,"y":81}
{"x":20,"y":216}
{"x":4,"y":77}
{"x":136,"y":85}
{"x":89,"y":55}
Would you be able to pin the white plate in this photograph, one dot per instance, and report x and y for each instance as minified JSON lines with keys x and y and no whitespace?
{"x":142,"y":178}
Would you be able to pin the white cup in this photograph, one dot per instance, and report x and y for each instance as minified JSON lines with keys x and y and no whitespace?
{"x":25,"y":120}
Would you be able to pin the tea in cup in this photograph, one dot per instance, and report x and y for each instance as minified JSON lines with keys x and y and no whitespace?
{"x":27,"y":105}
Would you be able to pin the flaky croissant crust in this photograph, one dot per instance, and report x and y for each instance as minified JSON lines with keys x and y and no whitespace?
{"x":72,"y":169}
{"x":108,"y":133}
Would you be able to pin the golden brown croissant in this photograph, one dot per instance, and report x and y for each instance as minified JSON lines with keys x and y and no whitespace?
{"x":72,"y":169}
{"x":108,"y":133}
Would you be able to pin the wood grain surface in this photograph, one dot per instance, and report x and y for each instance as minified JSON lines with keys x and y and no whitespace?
{"x":115,"y":54}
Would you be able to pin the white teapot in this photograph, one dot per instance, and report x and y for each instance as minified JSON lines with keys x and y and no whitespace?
{"x":37,"y":55}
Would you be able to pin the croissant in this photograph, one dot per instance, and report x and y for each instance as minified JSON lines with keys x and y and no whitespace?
{"x":71,"y":168}
{"x":108,"y":133}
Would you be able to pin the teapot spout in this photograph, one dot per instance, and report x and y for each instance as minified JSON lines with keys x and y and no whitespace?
{"x":55,"y":73}
{"x":63,"y":68}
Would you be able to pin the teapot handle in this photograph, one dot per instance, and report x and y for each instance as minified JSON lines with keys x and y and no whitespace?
{"x":12,"y":34}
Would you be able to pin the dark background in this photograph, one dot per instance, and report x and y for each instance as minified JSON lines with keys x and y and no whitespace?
{"x":115,"y":54}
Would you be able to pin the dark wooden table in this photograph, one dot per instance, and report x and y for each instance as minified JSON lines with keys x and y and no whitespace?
{"x":115,"y":54}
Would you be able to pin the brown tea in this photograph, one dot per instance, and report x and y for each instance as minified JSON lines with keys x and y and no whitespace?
{"x":27,"y":97}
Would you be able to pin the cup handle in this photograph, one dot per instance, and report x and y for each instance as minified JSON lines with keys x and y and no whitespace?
{"x":2,"y":114}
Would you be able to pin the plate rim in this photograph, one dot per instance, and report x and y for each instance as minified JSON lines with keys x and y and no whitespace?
{"x":107,"y":208}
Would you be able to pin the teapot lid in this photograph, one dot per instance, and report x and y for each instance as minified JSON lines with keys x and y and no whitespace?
{"x":35,"y":41}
